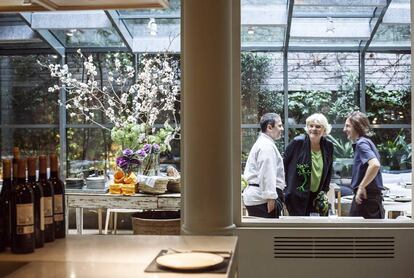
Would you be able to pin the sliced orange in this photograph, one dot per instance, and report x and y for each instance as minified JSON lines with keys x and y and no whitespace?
{"x":131,"y":179}
{"x":128,"y":189}
{"x":115,"y":188}
{"x":119,"y":176}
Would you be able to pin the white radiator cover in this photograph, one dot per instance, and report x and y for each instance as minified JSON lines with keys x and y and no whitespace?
{"x":326,"y":252}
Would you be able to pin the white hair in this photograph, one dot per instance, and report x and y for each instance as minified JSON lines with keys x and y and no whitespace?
{"x":319,"y":119}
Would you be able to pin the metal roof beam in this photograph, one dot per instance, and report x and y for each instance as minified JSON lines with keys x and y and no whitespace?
{"x":288,"y":25}
{"x":18,"y":34}
{"x":330,"y":14}
{"x":47,"y":36}
{"x":70,"y":20}
{"x":374,"y":30}
{"x":121,"y":28}
{"x":149,"y":15}
{"x":353,"y":3}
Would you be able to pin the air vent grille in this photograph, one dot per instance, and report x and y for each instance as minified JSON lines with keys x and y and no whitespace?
{"x":334,"y":247}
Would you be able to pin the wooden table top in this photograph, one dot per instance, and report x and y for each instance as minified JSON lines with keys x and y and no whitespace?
{"x":110,"y":256}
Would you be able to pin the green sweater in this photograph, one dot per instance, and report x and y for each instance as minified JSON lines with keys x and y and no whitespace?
{"x":316,"y":171}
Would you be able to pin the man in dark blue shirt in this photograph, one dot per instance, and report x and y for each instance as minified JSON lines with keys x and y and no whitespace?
{"x":366,"y":175}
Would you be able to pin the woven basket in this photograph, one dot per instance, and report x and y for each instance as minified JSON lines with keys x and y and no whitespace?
{"x":174,"y":185}
{"x":155,"y":222}
{"x":159,"y":188}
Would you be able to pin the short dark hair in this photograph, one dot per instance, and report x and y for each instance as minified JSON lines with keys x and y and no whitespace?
{"x":360,"y":123}
{"x":268,"y":119}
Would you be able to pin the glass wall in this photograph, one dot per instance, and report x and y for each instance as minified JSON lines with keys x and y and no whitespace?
{"x":29,"y":117}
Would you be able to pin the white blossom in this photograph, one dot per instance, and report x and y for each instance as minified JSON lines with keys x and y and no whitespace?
{"x":156,"y":90}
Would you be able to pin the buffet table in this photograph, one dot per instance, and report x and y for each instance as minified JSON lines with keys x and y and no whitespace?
{"x":100,"y":201}
{"x":112,"y":256}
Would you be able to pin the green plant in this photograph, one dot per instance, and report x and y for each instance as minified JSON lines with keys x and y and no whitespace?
{"x":387,"y":106}
{"x":255,"y":69}
{"x":396,"y":154}
{"x":342,"y":148}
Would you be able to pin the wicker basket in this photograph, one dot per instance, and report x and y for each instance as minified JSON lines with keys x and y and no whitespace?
{"x":155,"y":222}
{"x":159,"y":188}
{"x":174,"y":185}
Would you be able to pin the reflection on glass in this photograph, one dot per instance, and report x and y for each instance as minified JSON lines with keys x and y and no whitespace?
{"x":89,"y":37}
{"x":150,"y":27}
{"x":88,"y":148}
{"x":24,"y":96}
{"x":392,"y":35}
{"x":31,"y":141}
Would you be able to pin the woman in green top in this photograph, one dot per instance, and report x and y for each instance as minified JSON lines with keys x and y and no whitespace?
{"x":308,"y":162}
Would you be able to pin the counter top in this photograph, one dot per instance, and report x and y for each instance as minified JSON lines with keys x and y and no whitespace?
{"x":110,"y":256}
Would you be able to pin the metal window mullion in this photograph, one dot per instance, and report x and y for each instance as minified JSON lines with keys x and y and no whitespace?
{"x":285,"y":97}
{"x":30,"y":126}
{"x":62,"y":127}
{"x":376,"y":126}
{"x":288,"y":25}
{"x":362,"y":95}
{"x":377,"y":24}
{"x":136,"y":65}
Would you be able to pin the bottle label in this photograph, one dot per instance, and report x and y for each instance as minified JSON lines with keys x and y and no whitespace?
{"x":58,"y":217}
{"x":42,"y":213}
{"x":58,"y":204}
{"x":24,"y":219}
{"x":48,"y":209}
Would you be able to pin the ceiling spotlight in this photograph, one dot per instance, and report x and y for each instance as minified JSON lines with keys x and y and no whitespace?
{"x":250,"y":31}
{"x":152,"y":27}
{"x":27,"y":3}
{"x":71,"y":32}
{"x":330,"y":27}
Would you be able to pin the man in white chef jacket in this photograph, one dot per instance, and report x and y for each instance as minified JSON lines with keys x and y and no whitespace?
{"x":264,"y":171}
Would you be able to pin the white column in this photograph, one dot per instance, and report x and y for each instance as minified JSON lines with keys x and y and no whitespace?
{"x":206,"y":117}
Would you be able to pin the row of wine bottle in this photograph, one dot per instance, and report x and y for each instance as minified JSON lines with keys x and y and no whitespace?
{"x":32,"y":211}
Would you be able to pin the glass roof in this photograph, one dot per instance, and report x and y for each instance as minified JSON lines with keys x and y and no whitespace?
{"x":317,"y":25}
{"x":75,"y":38}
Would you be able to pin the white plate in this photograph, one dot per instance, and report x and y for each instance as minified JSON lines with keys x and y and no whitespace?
{"x":402,"y":199}
{"x":189,"y":260}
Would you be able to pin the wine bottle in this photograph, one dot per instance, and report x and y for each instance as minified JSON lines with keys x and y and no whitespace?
{"x":48,"y":200}
{"x":39,"y":215}
{"x":58,"y":198}
{"x":22,"y":213}
{"x":16,"y":157}
{"x":2,"y":226}
{"x":5,"y":197}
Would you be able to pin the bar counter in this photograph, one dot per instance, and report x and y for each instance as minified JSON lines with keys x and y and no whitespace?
{"x":111,"y":256}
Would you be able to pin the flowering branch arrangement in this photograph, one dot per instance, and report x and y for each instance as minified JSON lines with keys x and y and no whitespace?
{"x":132,"y":106}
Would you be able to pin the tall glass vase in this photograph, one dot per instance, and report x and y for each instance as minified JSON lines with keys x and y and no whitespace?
{"x":150,"y":165}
